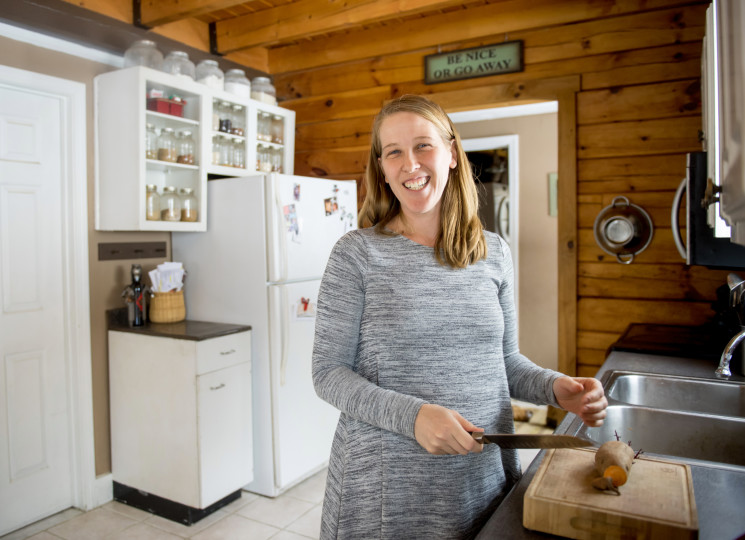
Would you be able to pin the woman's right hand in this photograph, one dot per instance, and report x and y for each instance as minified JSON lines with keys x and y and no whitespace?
{"x":443,"y":431}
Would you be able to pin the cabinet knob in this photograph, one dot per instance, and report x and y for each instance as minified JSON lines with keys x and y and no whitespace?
{"x":231,"y":351}
{"x":221,"y":385}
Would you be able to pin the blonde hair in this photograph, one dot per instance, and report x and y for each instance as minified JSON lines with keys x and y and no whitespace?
{"x":460,"y":241}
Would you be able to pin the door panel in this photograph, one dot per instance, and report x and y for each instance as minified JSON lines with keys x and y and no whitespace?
{"x":306,"y":218}
{"x":35,"y":462}
{"x":304,"y":423}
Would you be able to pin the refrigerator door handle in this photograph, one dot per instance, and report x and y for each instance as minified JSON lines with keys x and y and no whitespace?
{"x":284,"y":336}
{"x":281,"y":225}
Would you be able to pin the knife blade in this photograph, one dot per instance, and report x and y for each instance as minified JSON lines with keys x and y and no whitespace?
{"x":531,"y":440}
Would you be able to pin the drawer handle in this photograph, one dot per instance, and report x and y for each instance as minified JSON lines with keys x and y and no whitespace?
{"x":221,"y":385}
{"x":231,"y":351}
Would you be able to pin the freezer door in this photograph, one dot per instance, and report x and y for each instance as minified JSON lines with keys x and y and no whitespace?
{"x":305,"y":218}
{"x":304,"y":424}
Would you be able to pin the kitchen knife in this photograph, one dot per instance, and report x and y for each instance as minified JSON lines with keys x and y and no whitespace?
{"x":531,"y":441}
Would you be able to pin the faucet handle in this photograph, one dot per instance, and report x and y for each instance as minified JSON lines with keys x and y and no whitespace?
{"x":736,"y":289}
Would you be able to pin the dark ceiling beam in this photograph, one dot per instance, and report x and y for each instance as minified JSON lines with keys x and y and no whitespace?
{"x":72,"y":23}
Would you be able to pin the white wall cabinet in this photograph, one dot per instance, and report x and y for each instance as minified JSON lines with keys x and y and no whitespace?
{"x":123,"y":168}
{"x":181,"y":415}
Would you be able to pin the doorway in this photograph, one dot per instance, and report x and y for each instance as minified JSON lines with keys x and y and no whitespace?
{"x":46,"y":416}
{"x":533,"y":231}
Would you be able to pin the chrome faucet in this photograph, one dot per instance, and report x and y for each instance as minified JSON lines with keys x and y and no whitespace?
{"x":737,"y":301}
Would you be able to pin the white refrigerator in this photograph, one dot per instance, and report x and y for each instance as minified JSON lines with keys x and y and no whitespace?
{"x":260,"y":263}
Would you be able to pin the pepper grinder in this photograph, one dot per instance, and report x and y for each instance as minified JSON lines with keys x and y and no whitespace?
{"x":135,"y":296}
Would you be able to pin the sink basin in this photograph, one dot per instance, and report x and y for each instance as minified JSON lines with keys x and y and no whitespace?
{"x":684,"y":435}
{"x":677,"y":393}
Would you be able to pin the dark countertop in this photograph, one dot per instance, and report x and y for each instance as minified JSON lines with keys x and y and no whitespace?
{"x":719,"y":492}
{"x":189,"y":330}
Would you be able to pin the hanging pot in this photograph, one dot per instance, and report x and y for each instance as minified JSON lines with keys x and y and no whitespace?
{"x":623,"y":229}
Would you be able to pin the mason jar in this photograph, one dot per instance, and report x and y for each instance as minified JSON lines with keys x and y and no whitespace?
{"x":238,"y":120}
{"x":239,"y":154}
{"x":185,"y":148}
{"x":170,"y":205}
{"x":237,"y":83}
{"x":277,"y":129}
{"x":226,"y":117}
{"x":151,"y":142}
{"x":152,"y":203}
{"x":166,"y":145}
{"x":189,"y":205}
{"x":208,"y":73}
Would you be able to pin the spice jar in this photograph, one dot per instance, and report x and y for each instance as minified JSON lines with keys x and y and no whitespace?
{"x":263,"y":90}
{"x":264,"y":127}
{"x":238,"y":121}
{"x":276,"y":158}
{"x":189,"y":205}
{"x":226,"y":112}
{"x":178,"y":63}
{"x":170,"y":205}
{"x":239,"y":154}
{"x":208,"y":72}
{"x":277,"y":129}
{"x":143,"y":53}
{"x":226,"y":152}
{"x":166,"y":145}
{"x":151,"y":142}
{"x":216,"y":150}
{"x":237,"y":83}
{"x":152,"y":203}
{"x":185,"y":148}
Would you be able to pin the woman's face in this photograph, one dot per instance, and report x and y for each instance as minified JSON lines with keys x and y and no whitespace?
{"x":415,"y":161}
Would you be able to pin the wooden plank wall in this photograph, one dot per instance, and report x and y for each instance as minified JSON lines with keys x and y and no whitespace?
{"x":638,"y":112}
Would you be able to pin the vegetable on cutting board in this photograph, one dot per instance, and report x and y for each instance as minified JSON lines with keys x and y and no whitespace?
{"x":613,"y":462}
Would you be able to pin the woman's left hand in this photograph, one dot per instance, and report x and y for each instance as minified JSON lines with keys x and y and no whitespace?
{"x":582,"y":396}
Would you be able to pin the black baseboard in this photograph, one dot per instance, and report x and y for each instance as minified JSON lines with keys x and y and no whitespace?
{"x":166,"y":508}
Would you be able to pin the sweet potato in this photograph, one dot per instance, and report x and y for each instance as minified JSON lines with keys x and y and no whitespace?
{"x":613,"y":462}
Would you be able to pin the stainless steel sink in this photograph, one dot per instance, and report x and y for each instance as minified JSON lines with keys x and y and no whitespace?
{"x":684,"y":435}
{"x":677,"y":393}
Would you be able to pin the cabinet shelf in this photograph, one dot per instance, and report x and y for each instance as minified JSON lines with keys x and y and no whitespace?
{"x":122,"y":169}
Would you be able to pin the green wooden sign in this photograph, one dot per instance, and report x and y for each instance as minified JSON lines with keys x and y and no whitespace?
{"x":505,"y":57}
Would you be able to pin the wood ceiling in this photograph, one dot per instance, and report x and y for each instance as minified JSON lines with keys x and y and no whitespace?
{"x":280,"y":36}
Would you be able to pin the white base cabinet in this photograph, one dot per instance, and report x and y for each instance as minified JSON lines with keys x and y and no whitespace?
{"x":181,"y":415}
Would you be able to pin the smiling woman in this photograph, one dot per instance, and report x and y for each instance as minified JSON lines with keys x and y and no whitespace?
{"x":416,"y":344}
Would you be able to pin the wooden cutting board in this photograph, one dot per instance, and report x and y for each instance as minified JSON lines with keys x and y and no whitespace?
{"x":656,"y":502}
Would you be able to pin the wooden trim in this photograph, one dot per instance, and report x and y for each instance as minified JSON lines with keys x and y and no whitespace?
{"x":564,"y":90}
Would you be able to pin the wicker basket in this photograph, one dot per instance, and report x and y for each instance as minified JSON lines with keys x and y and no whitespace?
{"x":167,"y":307}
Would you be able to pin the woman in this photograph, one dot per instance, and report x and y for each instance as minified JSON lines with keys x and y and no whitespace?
{"x":416,"y":345}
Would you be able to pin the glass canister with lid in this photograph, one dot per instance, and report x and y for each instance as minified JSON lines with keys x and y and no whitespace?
{"x":237,"y":83}
{"x":238,"y":120}
{"x":239,"y":153}
{"x":143,"y":53}
{"x":170,"y":205}
{"x":277,"y":129}
{"x":185,"y":148}
{"x":263,"y":90}
{"x":167,"y":145}
{"x":178,"y":63}
{"x":189,"y":205}
{"x":208,"y":72}
{"x":151,"y":142}
{"x":152,"y":203}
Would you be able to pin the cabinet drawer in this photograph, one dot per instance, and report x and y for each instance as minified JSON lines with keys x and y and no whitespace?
{"x":222,"y":352}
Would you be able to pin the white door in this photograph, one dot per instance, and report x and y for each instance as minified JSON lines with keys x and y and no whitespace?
{"x":35,"y":454}
{"x":304,"y":424}
{"x":306,"y":216}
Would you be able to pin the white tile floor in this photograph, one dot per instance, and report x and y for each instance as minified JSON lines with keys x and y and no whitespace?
{"x":295,"y":515}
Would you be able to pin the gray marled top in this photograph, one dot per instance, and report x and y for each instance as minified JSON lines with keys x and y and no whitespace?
{"x":394,"y":330}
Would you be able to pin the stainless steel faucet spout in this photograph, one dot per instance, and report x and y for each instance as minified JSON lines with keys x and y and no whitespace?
{"x":723,"y":369}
